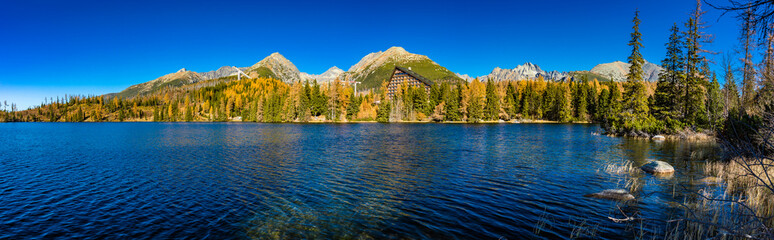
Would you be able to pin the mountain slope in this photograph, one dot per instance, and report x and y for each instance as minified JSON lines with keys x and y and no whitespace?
{"x":276,"y":66}
{"x":224,"y":71}
{"x":376,"y":68}
{"x":618,"y":70}
{"x":579,"y":75}
{"x":179,"y":78}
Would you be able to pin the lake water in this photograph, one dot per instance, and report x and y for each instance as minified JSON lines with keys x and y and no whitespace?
{"x":384,"y":181}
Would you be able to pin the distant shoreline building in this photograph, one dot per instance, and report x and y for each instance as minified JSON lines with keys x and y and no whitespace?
{"x":402,"y":75}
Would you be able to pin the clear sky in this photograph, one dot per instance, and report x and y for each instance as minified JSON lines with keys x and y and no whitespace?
{"x":53,"y":48}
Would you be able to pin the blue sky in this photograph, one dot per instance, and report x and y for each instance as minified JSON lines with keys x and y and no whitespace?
{"x":53,"y":48}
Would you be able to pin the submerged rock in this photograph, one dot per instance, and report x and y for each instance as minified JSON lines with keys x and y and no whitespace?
{"x":612,"y":194}
{"x":657,"y":167}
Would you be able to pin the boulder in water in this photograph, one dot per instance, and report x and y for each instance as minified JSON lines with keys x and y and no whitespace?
{"x":659,"y":138}
{"x":612,"y":194}
{"x":657,"y":167}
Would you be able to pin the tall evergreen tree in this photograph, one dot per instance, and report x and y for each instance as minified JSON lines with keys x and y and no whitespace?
{"x":636,"y":109}
{"x":714,"y":104}
{"x":730,"y":92}
{"x":665,"y":105}
{"x":635,"y":59}
{"x":694,"y":108}
{"x":580,"y":99}
{"x":492,"y":108}
{"x":563,"y":101}
{"x":526,"y":100}
{"x":452,"y":101}
{"x":509,"y":104}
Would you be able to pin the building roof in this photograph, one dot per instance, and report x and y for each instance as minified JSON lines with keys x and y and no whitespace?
{"x":415,"y":75}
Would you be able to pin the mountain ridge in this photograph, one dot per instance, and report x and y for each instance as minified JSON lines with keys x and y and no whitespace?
{"x":527,"y":70}
{"x":376,"y":67}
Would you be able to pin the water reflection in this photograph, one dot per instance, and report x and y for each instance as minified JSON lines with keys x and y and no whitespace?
{"x":319,"y":181}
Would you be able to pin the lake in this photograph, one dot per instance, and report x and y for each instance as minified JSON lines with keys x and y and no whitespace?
{"x":323,"y":181}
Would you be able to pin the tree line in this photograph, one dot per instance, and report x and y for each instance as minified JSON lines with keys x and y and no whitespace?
{"x":686,"y":96}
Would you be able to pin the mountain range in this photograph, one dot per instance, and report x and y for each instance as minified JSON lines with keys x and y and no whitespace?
{"x":618,"y":70}
{"x":329,"y":75}
{"x":375,"y":68}
{"x":524,"y":71}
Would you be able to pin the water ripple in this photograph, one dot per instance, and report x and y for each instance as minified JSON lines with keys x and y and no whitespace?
{"x":383,"y":181}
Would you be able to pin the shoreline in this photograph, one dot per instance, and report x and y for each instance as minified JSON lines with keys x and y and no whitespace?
{"x":679,"y":136}
{"x":326,"y":121}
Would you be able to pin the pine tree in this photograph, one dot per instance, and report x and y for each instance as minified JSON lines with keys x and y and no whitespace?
{"x":580,"y":99}
{"x":635,"y":109}
{"x":526,"y":97}
{"x":603,"y":105}
{"x":714,"y":104}
{"x":635,"y":59}
{"x":509,"y":103}
{"x":593,"y":99}
{"x":615,"y":99}
{"x":492,"y":108}
{"x":667,"y":93}
{"x":730,"y":92}
{"x":383,"y":112}
{"x":188,"y":114}
{"x":452,"y":101}
{"x":694,"y":110}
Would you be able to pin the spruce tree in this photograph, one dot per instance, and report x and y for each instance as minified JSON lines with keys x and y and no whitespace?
{"x":563,"y":101}
{"x":593,"y":100}
{"x":730,"y":92}
{"x":492,"y":108}
{"x":452,"y":106}
{"x":508,"y":101}
{"x":603,"y":105}
{"x":665,"y":106}
{"x":526,"y":99}
{"x":694,"y":108}
{"x":580,"y":99}
{"x":714,"y":104}
{"x":636,"y":111}
{"x":635,"y":59}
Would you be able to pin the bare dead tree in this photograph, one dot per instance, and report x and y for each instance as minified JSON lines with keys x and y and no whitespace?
{"x":761,"y":10}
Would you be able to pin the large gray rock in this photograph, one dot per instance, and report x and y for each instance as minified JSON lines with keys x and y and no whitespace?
{"x":657,"y":167}
{"x":659,"y":138}
{"x":612,"y":194}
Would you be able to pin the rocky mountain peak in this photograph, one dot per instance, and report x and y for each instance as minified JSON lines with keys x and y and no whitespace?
{"x":280,"y":66}
{"x":223,"y":71}
{"x":527,"y":70}
{"x":396,"y":51}
{"x":334,"y":69}
{"x":182,"y":70}
{"x":328,"y":76}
